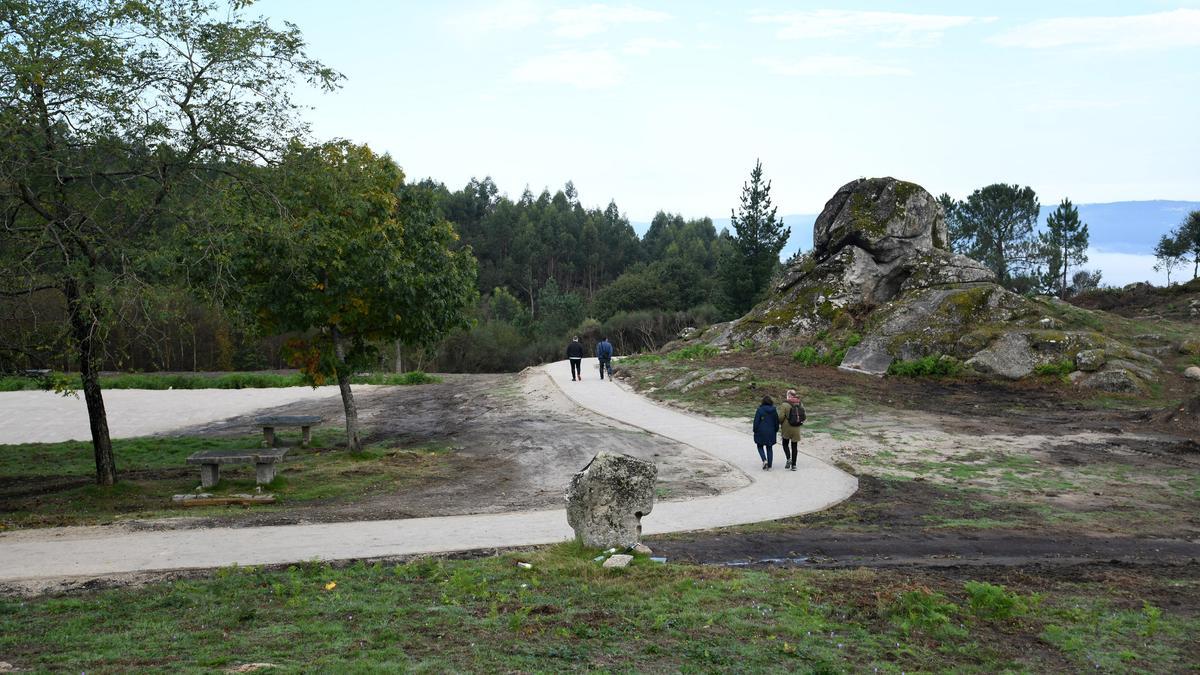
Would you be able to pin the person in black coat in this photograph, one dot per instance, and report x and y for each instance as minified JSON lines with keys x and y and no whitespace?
{"x":575,"y":356}
{"x":766,"y":428}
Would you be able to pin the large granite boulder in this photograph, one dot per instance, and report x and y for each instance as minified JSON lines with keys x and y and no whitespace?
{"x":881,"y":285}
{"x":886,"y":217}
{"x":608,"y":498}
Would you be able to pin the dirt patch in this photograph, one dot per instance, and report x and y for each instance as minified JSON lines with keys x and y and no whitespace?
{"x":1182,"y":419}
{"x":512,"y":443}
{"x":887,"y":524}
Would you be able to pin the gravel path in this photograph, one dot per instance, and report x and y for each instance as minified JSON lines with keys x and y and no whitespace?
{"x":33,"y":557}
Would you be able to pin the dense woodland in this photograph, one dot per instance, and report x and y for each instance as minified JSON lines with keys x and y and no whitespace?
{"x":548,"y":268}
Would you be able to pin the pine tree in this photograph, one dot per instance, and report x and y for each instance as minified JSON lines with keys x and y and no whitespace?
{"x":760,"y":236}
{"x":1063,"y":244}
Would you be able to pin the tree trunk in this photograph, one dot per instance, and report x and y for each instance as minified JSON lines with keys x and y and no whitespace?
{"x":89,"y":371}
{"x":399,"y":367}
{"x":353,"y":442}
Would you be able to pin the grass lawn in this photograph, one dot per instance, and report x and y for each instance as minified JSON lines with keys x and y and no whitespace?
{"x":51,"y":484}
{"x":568,"y":614}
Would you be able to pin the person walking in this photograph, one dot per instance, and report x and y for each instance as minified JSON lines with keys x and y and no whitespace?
{"x":766,"y":425}
{"x":791,"y":416}
{"x":604,"y":353}
{"x":575,"y":356}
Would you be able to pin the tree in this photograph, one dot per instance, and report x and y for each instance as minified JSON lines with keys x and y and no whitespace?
{"x":1084,"y":280}
{"x":1170,"y":256}
{"x":950,"y":210}
{"x":1064,"y":243}
{"x":1187,"y":239}
{"x":114,"y":114}
{"x":760,"y":236}
{"x":995,"y":226}
{"x":351,"y":259}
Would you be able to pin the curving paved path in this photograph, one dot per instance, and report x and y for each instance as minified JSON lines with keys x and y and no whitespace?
{"x":73,"y":552}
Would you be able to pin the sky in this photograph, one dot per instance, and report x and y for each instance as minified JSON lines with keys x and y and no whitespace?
{"x":667,"y":105}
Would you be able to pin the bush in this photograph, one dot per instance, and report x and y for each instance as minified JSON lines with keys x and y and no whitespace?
{"x":694,"y":353}
{"x":807,"y":356}
{"x":929,"y":366}
{"x":990,"y":601}
{"x":830,"y":356}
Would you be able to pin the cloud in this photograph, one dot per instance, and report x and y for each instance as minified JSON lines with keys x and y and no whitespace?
{"x":497,"y":17}
{"x":1164,"y":30}
{"x":575,"y":22}
{"x":594,"y":69}
{"x":833,"y":66}
{"x":643,"y":46}
{"x":580,"y":22}
{"x":897,"y":29}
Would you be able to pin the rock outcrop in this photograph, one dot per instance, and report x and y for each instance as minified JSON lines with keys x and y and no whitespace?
{"x":607,"y":500}
{"x":881,"y":285}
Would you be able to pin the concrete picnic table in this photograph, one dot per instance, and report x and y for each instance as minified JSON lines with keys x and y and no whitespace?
{"x":210,"y":462}
{"x":270,"y":422}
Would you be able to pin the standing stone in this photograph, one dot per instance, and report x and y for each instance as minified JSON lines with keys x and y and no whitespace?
{"x":608,"y":498}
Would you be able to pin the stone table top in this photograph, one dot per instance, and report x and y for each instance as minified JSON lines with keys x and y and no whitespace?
{"x":288,"y":420}
{"x":237,"y":456}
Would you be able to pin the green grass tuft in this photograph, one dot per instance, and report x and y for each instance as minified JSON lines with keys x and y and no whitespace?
{"x":694,"y":353}
{"x":929,"y":366}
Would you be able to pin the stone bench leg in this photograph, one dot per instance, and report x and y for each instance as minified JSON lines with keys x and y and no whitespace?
{"x":264,"y":472}
{"x":268,"y":437}
{"x":210,"y":474}
{"x":306,"y":438}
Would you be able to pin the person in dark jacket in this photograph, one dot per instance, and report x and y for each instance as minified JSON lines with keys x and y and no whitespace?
{"x":766,"y":426}
{"x":575,"y":356}
{"x":604,"y":352}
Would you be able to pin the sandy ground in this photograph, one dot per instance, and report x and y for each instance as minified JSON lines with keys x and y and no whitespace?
{"x":46,"y":417}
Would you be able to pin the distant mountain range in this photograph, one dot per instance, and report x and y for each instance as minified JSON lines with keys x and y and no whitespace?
{"x":1116,"y":227}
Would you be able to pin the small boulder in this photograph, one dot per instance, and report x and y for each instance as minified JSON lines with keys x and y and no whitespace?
{"x":1192,"y":373}
{"x":608,"y":498}
{"x":1191,"y":347}
{"x":1119,"y":381}
{"x":869,"y":357}
{"x":1090,"y":360}
{"x":1009,"y":356}
{"x":719,"y":375}
{"x":618,"y":560}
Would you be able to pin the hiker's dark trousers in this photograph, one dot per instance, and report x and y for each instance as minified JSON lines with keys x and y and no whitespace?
{"x":766,"y":452}
{"x":791,"y":453}
{"x":576,"y":369}
{"x":605,"y":364}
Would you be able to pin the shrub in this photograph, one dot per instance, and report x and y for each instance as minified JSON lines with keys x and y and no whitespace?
{"x":826,"y":356}
{"x":807,"y":356}
{"x":990,"y":601}
{"x":929,"y":366}
{"x":694,"y":353}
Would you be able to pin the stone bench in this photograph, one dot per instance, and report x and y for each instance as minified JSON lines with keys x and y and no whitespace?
{"x":210,"y":462}
{"x":305,"y":422}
